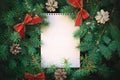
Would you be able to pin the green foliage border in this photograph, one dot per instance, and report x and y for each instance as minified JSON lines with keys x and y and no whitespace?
{"x":95,"y":50}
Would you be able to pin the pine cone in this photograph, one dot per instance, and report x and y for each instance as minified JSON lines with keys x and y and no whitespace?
{"x":15,"y":49}
{"x":51,"y":5}
{"x":60,"y":74}
{"x":102,"y":16}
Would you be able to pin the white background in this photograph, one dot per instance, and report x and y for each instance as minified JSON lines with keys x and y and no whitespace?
{"x":59,"y":43}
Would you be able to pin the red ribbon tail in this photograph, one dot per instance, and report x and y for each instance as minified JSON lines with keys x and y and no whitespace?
{"x":22,"y":33}
{"x":84,"y":14}
{"x":78,"y":19}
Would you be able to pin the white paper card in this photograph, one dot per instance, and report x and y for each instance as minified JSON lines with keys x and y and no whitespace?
{"x":59,"y":43}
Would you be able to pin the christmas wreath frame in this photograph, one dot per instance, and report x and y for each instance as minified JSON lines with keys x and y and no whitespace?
{"x":98,"y":41}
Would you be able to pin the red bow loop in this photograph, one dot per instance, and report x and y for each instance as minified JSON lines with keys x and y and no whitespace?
{"x":36,"y":20}
{"x":28,"y":20}
{"x":29,"y":76}
{"x":19,"y":27}
{"x":40,"y":76}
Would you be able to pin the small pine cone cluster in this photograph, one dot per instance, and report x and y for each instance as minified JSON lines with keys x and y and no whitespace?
{"x":15,"y":49}
{"x":60,"y":74}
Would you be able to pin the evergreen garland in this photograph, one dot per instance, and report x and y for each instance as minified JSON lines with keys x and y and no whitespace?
{"x":99,"y":46}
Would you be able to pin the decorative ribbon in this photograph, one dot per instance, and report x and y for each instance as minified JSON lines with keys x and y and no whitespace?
{"x":39,"y":76}
{"x":83,"y":14}
{"x":28,"y":20}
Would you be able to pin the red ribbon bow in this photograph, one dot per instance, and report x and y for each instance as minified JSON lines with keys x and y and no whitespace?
{"x":39,"y":76}
{"x":83,"y":14}
{"x":28,"y":20}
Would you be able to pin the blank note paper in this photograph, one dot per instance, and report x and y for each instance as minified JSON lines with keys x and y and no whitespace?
{"x":59,"y":43}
